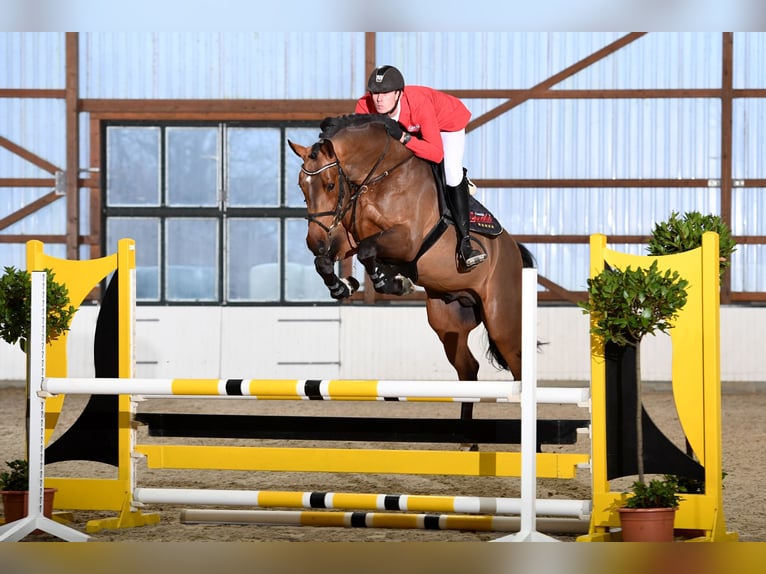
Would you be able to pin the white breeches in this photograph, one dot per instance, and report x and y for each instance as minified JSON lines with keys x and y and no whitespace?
{"x":454,"y":146}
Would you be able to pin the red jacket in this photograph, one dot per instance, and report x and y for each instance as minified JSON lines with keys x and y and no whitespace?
{"x":425,"y":113}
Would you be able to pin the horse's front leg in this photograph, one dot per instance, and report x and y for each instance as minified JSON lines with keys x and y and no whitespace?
{"x":339,"y":287}
{"x":385,"y":278}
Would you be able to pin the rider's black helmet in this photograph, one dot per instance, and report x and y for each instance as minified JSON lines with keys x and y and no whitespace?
{"x":385,"y":79}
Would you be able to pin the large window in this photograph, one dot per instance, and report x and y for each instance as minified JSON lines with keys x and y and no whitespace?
{"x":215,"y":211}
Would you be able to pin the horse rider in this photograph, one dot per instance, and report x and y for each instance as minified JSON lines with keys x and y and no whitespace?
{"x":434,"y":129}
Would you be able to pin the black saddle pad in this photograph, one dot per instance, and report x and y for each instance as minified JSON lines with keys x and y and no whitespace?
{"x":481,"y":220}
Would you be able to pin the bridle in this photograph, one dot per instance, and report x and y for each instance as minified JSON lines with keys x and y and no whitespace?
{"x":342,"y":207}
{"x":314,"y":217}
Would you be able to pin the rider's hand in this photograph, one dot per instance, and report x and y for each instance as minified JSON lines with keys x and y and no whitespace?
{"x":394,"y":129}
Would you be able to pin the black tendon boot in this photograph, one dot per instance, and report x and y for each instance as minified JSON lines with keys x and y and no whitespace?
{"x":457,"y":197}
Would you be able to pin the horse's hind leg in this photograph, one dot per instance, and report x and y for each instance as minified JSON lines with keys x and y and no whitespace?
{"x":504,"y":332}
{"x":453,"y":324}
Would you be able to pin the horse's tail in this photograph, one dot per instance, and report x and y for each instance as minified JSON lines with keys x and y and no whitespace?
{"x":527,"y":259}
{"x":493,"y":354}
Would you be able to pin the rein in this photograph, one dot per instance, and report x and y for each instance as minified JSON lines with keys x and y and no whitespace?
{"x":359,"y":189}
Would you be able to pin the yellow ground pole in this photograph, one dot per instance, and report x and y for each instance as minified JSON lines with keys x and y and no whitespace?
{"x":80,"y":277}
{"x":696,"y":385}
{"x":343,"y":460}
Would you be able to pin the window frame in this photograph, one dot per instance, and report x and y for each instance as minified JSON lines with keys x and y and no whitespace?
{"x":222,"y":212}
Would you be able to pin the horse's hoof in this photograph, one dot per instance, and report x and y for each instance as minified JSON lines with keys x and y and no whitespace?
{"x":338,"y":294}
{"x":344,"y":288}
{"x":406,"y":286}
{"x":352,"y":284}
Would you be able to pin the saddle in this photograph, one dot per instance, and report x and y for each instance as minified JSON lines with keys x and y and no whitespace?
{"x":480,"y":219}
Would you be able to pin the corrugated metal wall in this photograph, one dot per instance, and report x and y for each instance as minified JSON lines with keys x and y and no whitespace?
{"x":603,"y":138}
{"x":749,"y":161}
{"x":538,"y":139}
{"x":228,"y":65}
{"x":31,"y":60}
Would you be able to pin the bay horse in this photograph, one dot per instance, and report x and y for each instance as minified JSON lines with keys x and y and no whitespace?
{"x":367,"y":194}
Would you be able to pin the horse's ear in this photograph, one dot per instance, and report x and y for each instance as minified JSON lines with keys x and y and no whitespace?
{"x":300,"y":151}
{"x":329,"y":148}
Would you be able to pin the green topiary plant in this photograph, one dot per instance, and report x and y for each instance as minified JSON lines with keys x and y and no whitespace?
{"x":682,"y":233}
{"x":654,"y":494}
{"x":627,"y":305}
{"x":17,"y":478}
{"x":15,"y":307}
{"x":16,"y":310}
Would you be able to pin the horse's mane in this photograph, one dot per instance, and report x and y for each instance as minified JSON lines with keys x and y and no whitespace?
{"x":332,"y":125}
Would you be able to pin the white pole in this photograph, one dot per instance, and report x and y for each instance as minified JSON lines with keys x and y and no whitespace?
{"x":579,"y":509}
{"x":286,"y":389}
{"x":528,"y":532}
{"x":457,"y":391}
{"x":35,"y":519}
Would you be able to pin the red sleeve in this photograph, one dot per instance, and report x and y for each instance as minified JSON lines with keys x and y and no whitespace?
{"x":426,"y":113}
{"x":428,"y":143}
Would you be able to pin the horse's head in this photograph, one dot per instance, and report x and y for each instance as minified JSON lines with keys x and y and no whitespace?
{"x":322,"y":190}
{"x":353,"y":154}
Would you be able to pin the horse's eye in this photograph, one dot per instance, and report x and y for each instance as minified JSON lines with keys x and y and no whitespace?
{"x":330,"y":187}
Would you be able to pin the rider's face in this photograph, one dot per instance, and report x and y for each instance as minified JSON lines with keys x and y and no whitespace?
{"x":385,"y":101}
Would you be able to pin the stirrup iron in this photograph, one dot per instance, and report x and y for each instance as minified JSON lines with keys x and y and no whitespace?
{"x":469,"y":256}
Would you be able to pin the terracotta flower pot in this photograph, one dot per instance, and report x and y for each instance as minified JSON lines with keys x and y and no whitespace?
{"x":647,"y":524}
{"x":15,"y":503}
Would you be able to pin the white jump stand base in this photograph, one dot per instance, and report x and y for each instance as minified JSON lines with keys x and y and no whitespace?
{"x":18,"y":529}
{"x":526,"y":536}
{"x":35,"y":518}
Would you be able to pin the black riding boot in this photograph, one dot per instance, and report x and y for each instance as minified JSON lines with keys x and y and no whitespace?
{"x":458,"y":203}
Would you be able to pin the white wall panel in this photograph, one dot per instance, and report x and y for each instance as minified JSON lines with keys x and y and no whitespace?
{"x":280,"y":342}
{"x":370,"y":343}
